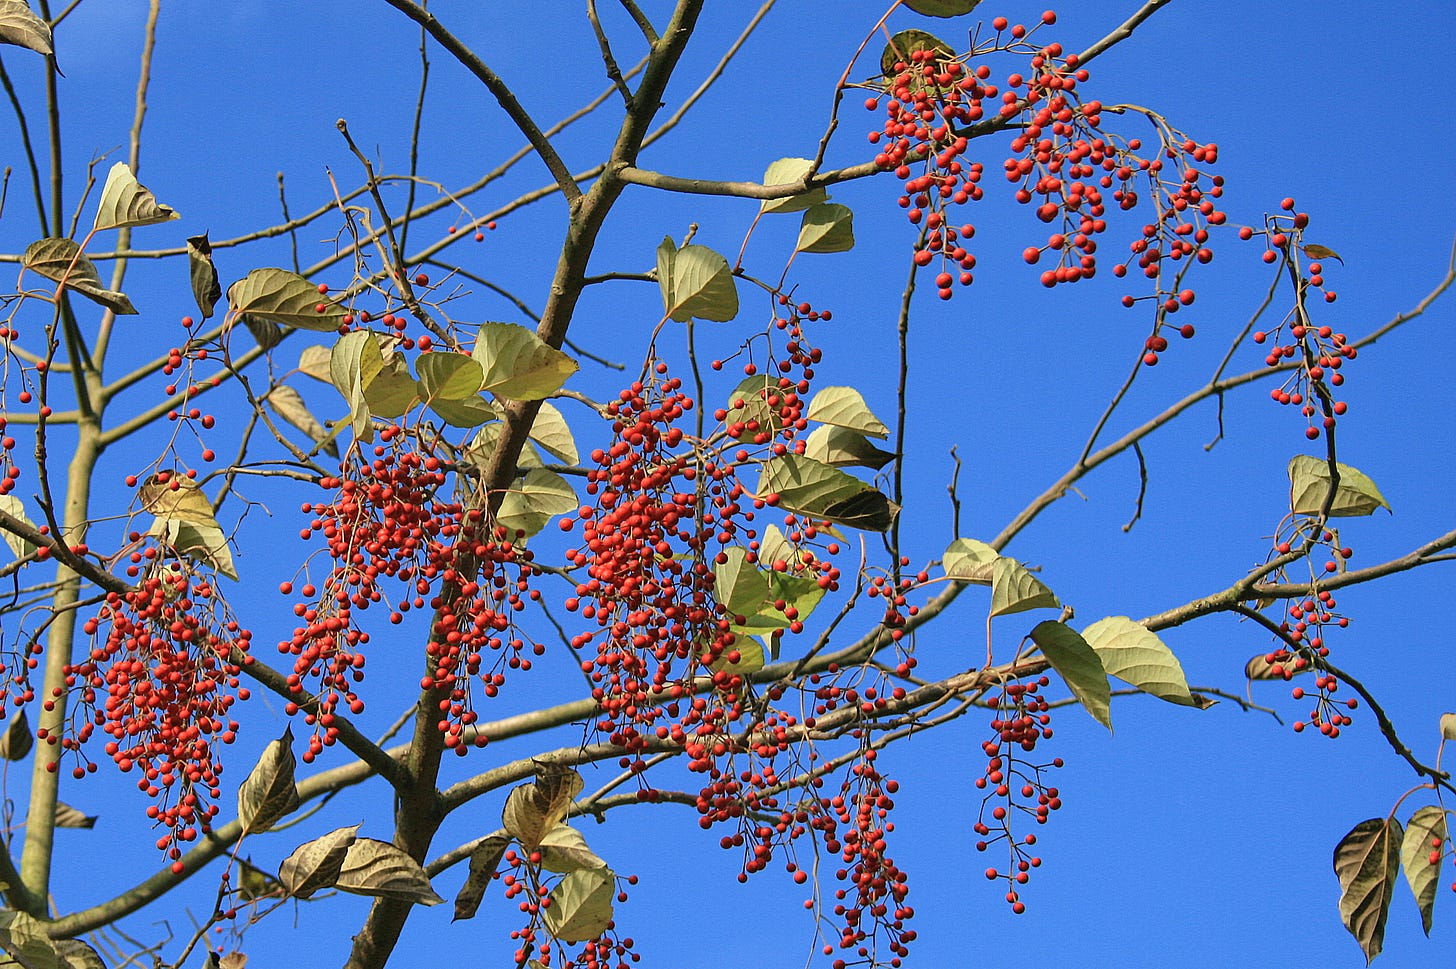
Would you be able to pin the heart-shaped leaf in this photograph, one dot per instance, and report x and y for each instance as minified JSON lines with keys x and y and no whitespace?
{"x":379,"y":869}
{"x":812,"y":488}
{"x":1015,"y":589}
{"x":533,"y":809}
{"x":845,"y":407}
{"x":1309,"y":487}
{"x":125,"y":202}
{"x":1421,"y":849}
{"x":518,"y":364}
{"x":1134,"y":654}
{"x":695,"y":282}
{"x":791,"y":171}
{"x":286,"y":298}
{"x":581,"y":905}
{"x":968,"y":560}
{"x":826,"y":227}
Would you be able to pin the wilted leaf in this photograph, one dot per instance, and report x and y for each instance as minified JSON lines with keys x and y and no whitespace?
{"x":790,"y":171}
{"x":581,"y":905}
{"x":907,"y":42}
{"x":315,"y":361}
{"x":69,"y":817}
{"x":518,"y":364}
{"x":379,"y":869}
{"x":1309,"y":486}
{"x":177,"y":498}
{"x":1367,"y":862}
{"x":846,"y":407}
{"x":202,"y":543}
{"x":814,"y":489}
{"x":1015,"y":589}
{"x":21,"y":27}
{"x":316,"y":864}
{"x":233,"y":960}
{"x":126,"y":202}
{"x":284,"y":297}
{"x":484,"y":860}
{"x":535,"y":808}
{"x":530,"y":503}
{"x":1423,"y":841}
{"x":826,"y":227}
{"x":1314,"y":251}
{"x":18,"y":738}
{"x":206,"y":289}
{"x":61,"y":261}
{"x":563,"y":849}
{"x":968,"y":560}
{"x":942,"y":8}
{"x":1079,"y":665}
{"x":15,"y":508}
{"x":25,"y":939}
{"x":1134,"y":654}
{"x":288,"y":404}
{"x":840,"y":447}
{"x":1261,"y":668}
{"x":695,"y":282}
{"x":76,"y":954}
{"x":269,"y":793}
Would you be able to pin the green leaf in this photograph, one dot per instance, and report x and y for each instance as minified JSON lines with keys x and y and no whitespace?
{"x":125,"y":202}
{"x":20,"y":27}
{"x":269,"y":793}
{"x":791,"y":171}
{"x":745,"y":656}
{"x":484,"y":860}
{"x":470,"y":412}
{"x":1134,"y":654}
{"x":61,"y":261}
{"x":907,"y":42}
{"x":200,"y":542}
{"x":381,"y":870}
{"x":286,"y":298}
{"x":15,"y":508}
{"x":842,"y":448}
{"x":563,"y":850}
{"x":206,"y":290}
{"x":968,"y":560}
{"x":845,"y":407}
{"x":1424,"y":839}
{"x":942,"y":8}
{"x":739,"y":586}
{"x":449,"y":376}
{"x":24,"y":938}
{"x":749,"y":402}
{"x":532,"y":502}
{"x":814,"y":489}
{"x":1015,"y":589}
{"x":1448,"y":726}
{"x":478,"y":453}
{"x":1309,"y":486}
{"x":533,"y":809}
{"x":518,"y":364}
{"x":1367,"y":862}
{"x":826,"y":227}
{"x":358,"y":369}
{"x":551,"y":432}
{"x":1078,"y":663}
{"x":581,"y":905}
{"x":695,"y":282}
{"x":316,"y":864}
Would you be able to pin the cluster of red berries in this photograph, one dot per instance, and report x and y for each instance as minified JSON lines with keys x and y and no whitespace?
{"x":1011,"y":781}
{"x":160,"y":683}
{"x":1318,"y":351}
{"x":648,"y":586}
{"x":525,"y":879}
{"x":389,"y":520}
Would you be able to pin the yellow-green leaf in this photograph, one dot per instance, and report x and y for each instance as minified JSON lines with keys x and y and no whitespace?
{"x":126,"y":202}
{"x":177,"y":498}
{"x":581,"y":905}
{"x":1134,"y":654}
{"x":286,"y":298}
{"x":1079,"y":665}
{"x":826,"y":227}
{"x":1423,"y":841}
{"x":530,"y":504}
{"x":814,"y":489}
{"x":695,"y":282}
{"x":842,"y":448}
{"x":1015,"y":589}
{"x":791,"y":171}
{"x":907,"y":42}
{"x":968,"y":560}
{"x":15,"y":508}
{"x":518,"y":364}
{"x":845,"y":407}
{"x":1309,"y":487}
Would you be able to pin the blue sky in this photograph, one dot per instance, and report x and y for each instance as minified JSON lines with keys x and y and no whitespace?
{"x":1188,"y":838}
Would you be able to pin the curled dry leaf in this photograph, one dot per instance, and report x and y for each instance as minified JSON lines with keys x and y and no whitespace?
{"x":20,"y":26}
{"x":484,"y":861}
{"x":288,"y":404}
{"x":18,"y":738}
{"x":379,"y":869}
{"x":316,"y":864}
{"x":269,"y":793}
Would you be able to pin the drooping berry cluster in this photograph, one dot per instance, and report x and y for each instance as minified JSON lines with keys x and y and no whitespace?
{"x":1011,"y":781}
{"x":160,"y":683}
{"x":1317,"y":350}
{"x":391,"y":518}
{"x":526,"y":879}
{"x":648,"y":584}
